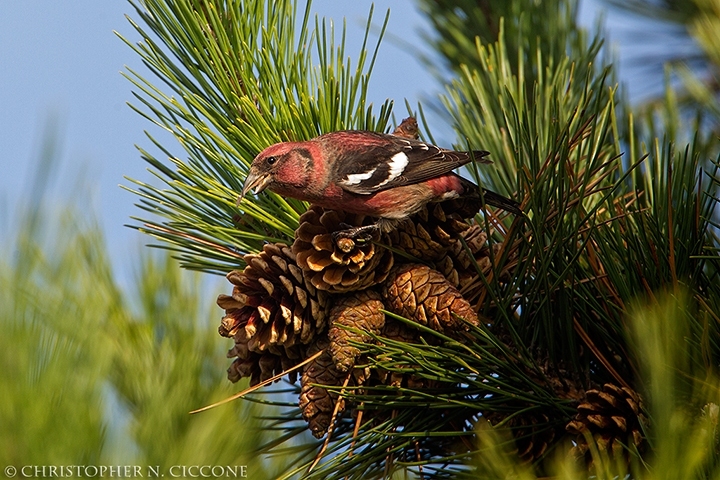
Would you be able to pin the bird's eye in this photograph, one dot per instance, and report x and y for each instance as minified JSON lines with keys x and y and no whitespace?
{"x":271,"y":160}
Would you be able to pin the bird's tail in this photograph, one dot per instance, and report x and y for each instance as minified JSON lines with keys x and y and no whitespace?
{"x":491,"y":198}
{"x":497,"y":200}
{"x":479,"y":156}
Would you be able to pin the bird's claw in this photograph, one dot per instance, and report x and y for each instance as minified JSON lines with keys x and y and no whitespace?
{"x":359,"y":235}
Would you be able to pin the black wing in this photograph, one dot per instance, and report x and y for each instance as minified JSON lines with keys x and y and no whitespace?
{"x":386,"y":161}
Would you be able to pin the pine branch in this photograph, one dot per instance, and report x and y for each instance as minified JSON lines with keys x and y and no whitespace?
{"x":234,"y":78}
{"x":547,"y":27}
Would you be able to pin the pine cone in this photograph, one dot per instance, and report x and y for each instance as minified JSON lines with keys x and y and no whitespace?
{"x":428,"y":234}
{"x":475,"y":238}
{"x":422,"y":294}
{"x":271,"y":312}
{"x":565,"y":381}
{"x":341,"y":266}
{"x":317,"y":403}
{"x":458,"y":262}
{"x":533,"y":432}
{"x":401,"y":332}
{"x":614,"y":416}
{"x":413,"y":238}
{"x":260,"y":367}
{"x":360,"y":310}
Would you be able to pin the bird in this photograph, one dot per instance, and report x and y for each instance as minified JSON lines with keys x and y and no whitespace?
{"x":380,"y":175}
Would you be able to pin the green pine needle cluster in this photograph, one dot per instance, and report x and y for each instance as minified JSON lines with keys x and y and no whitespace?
{"x":237,"y":77}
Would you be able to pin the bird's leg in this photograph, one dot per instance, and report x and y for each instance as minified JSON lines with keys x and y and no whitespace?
{"x":359,"y":235}
{"x":364,"y":234}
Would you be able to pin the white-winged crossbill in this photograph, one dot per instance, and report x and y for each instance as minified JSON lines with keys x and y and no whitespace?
{"x":369,"y":173}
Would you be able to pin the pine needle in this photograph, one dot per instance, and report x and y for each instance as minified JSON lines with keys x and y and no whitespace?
{"x":260,"y":385}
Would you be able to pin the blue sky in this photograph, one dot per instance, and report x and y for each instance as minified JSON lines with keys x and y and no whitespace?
{"x":61,"y":66}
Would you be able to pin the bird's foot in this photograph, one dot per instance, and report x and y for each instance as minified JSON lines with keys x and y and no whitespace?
{"x":357,"y":235}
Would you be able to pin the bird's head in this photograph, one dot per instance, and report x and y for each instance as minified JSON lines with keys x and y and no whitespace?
{"x":281,"y":168}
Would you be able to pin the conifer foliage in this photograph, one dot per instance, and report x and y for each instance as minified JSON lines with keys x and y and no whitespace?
{"x":464,"y":330}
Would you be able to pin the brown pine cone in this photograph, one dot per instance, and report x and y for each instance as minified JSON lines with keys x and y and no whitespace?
{"x":475,"y":238}
{"x":458,"y":262}
{"x":260,"y":367}
{"x":412,"y":237}
{"x":343,"y":265}
{"x":360,"y":310}
{"x":422,"y":294}
{"x":401,"y":332}
{"x":317,"y":403}
{"x":271,"y":304}
{"x":614,"y":416}
{"x":272,"y":311}
{"x":428,"y":234}
{"x":533,"y":432}
{"x":565,"y":381}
